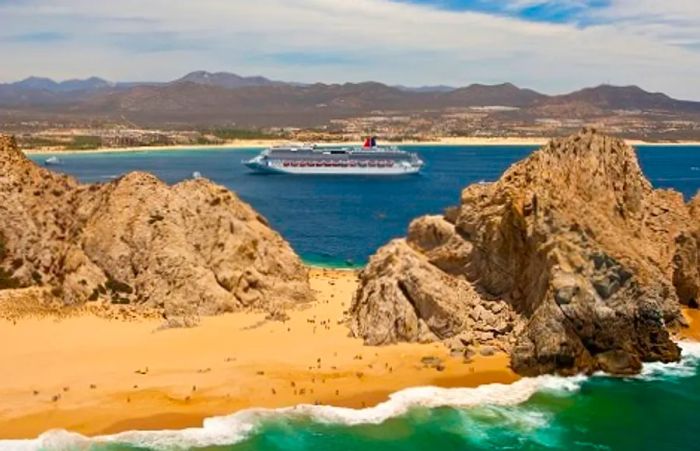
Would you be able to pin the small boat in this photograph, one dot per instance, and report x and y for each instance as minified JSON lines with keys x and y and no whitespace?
{"x":52,"y":161}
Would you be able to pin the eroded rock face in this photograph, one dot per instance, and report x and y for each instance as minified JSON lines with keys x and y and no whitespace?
{"x":189,"y":249}
{"x":571,"y":262}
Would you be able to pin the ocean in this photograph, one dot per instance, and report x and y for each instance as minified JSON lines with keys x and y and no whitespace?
{"x":339,"y":222}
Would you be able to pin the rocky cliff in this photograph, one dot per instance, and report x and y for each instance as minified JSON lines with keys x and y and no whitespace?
{"x":189,"y":249}
{"x":571,"y":262}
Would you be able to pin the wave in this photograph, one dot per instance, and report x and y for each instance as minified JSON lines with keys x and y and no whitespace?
{"x":686,"y":367}
{"x":231,"y":429}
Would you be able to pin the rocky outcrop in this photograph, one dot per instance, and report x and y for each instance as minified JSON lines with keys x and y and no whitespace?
{"x":190,"y":249}
{"x":571,"y":262}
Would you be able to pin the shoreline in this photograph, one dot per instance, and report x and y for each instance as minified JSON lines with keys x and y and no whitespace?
{"x":259,"y":144}
{"x":110,"y":376}
{"x":115,"y":375}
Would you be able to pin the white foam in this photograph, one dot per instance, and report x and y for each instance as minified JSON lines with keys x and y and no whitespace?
{"x":230,"y":429}
{"x":226,"y":430}
{"x":687,"y":367}
{"x":690,"y":350}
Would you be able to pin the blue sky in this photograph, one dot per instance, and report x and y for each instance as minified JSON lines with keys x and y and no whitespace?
{"x":538,"y":11}
{"x":551,"y":45}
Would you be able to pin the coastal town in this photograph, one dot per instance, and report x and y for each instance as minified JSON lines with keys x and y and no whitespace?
{"x":451,"y":125}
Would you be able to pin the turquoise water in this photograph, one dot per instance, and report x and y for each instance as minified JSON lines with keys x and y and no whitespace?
{"x":340,"y":221}
{"x":655,"y":411}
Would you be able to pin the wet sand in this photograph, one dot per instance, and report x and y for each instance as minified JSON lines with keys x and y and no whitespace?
{"x":97,"y":376}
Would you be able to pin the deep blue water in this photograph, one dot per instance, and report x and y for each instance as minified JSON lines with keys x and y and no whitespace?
{"x":342,"y":220}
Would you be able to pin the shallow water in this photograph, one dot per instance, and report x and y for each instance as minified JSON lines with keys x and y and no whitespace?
{"x":655,"y":411}
{"x":341,"y":221}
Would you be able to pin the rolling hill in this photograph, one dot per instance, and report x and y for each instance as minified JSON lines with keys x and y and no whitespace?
{"x":204,"y":98}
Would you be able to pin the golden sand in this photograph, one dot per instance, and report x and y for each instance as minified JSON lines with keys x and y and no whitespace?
{"x":263,"y":143}
{"x":96,"y":376}
{"x":692,"y":332}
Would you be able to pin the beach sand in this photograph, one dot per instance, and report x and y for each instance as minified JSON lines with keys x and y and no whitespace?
{"x":264,"y":143}
{"x":692,"y":332}
{"x":98,"y":376}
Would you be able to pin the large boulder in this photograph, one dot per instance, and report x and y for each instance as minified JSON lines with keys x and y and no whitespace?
{"x":190,"y":249}
{"x":581,"y":262}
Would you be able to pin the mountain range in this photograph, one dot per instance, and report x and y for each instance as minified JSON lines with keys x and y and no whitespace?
{"x":204,"y":98}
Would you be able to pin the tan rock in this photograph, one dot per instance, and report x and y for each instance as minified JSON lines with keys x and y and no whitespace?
{"x":190,"y":249}
{"x":585,"y":262}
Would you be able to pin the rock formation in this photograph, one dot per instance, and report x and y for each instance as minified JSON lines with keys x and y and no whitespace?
{"x":189,"y":249}
{"x":571,"y":262}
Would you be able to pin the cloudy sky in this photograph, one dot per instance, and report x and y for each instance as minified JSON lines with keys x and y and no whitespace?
{"x":550,"y":45}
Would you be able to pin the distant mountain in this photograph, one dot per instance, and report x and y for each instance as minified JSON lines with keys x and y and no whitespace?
{"x":92,"y":83}
{"x":204,"y":98}
{"x":186,"y":102}
{"x":609,"y":97}
{"x":606,"y":100}
{"x":506,"y":94}
{"x":47,"y":84}
{"x":35,"y":83}
{"x":39,"y":91}
{"x":226,"y":80}
{"x":436,"y":88}
{"x":12,"y":96}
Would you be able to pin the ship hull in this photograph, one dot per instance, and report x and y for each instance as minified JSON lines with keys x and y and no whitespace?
{"x":272,"y":169}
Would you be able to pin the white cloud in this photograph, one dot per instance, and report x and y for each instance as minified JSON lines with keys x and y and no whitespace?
{"x":642,"y":42}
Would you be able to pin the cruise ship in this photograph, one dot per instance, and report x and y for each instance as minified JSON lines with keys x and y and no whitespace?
{"x":369,"y":159}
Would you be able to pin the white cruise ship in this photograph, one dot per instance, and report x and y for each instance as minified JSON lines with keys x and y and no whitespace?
{"x":366,"y":160}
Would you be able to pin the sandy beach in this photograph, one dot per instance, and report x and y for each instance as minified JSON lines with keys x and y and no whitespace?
{"x":93,"y":375}
{"x":264,"y":143}
{"x":256,"y":143}
{"x":692,"y":332}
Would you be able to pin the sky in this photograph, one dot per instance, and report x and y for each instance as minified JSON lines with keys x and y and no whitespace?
{"x":554,"y":46}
